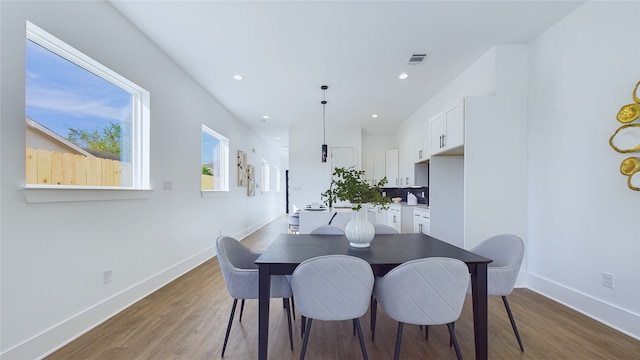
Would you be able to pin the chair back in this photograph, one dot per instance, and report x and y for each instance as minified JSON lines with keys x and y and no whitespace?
{"x":326,"y":230}
{"x":507,"y":253}
{"x":240,"y":272}
{"x":384,"y":229}
{"x":332,"y":287}
{"x":428,"y":291}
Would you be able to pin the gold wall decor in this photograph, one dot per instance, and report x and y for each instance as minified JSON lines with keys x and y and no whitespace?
{"x":626,"y":139}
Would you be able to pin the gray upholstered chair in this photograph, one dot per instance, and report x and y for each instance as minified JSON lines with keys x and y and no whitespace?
{"x":384,"y":229}
{"x":332,"y":287}
{"x":240,"y":274}
{"x":428,"y":291}
{"x":507,"y":252}
{"x":326,"y":230}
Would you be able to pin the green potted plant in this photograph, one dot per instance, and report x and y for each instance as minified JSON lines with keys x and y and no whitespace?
{"x":348,"y":184}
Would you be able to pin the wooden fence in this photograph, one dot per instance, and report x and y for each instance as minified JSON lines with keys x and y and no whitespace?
{"x":56,"y":168}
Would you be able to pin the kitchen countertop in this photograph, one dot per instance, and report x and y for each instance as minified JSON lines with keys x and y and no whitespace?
{"x":418,"y":206}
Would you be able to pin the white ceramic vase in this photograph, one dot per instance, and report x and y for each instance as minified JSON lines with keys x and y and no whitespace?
{"x":359,"y":231}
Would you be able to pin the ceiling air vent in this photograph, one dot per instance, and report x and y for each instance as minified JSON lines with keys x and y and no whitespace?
{"x":417,"y":59}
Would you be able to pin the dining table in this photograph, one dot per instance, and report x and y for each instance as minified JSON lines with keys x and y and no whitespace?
{"x":287,"y":251}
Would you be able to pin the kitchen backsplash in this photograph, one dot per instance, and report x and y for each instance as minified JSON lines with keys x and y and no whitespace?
{"x":422,"y":193}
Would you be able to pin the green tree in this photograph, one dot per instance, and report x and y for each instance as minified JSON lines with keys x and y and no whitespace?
{"x":106,"y":140}
{"x":206,"y":171}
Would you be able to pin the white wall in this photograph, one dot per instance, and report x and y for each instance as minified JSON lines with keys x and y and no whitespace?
{"x":53,"y":254}
{"x":495,"y":152}
{"x":582,"y":218}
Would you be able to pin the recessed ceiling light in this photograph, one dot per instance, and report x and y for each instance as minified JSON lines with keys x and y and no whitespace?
{"x":374,"y":116}
{"x":277,"y":138}
{"x":237,"y":77}
{"x":403,"y":76}
{"x":265,"y":117}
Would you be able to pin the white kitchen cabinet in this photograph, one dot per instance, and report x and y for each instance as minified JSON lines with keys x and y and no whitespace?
{"x":376,"y":215}
{"x":400,"y":217}
{"x":395,"y":217}
{"x":447,"y":131}
{"x":391,"y":168}
{"x":422,"y":221}
{"x":421,"y":151}
{"x":379,"y":165}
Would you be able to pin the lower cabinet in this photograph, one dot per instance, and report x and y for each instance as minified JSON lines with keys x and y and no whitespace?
{"x":421,"y":221}
{"x":400,"y":217}
{"x":394,"y":216}
{"x":375,"y":215}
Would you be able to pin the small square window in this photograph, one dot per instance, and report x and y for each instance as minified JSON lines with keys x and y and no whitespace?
{"x":265,"y":176}
{"x":214,"y":161}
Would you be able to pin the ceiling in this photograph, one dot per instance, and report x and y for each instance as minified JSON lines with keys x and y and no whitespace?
{"x":286,"y":50}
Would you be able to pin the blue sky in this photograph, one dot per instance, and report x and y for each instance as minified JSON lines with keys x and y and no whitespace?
{"x":62,"y":95}
{"x":210,"y":148}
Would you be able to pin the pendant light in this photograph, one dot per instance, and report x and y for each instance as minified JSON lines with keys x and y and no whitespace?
{"x":324,"y":124}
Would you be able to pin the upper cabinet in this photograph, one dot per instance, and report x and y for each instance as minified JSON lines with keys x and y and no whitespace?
{"x":421,"y":151}
{"x":447,"y":131}
{"x":392,"y":172}
{"x":379,"y":165}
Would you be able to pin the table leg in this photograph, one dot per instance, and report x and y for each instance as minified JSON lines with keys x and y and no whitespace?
{"x":264,"y":290}
{"x":479,"y":296}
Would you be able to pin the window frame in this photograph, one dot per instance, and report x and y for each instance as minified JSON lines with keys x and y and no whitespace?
{"x":224,"y":160}
{"x":140,"y":111}
{"x":265,"y":174}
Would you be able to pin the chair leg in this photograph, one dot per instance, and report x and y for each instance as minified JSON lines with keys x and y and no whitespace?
{"x":241,"y":310}
{"x":306,"y":339}
{"x":452,"y":337}
{"x":426,"y":331}
{"x":356,"y":324}
{"x":293,"y":308}
{"x":226,"y":337}
{"x":396,"y":355}
{"x":288,"y":308}
{"x":374,"y":315}
{"x":303,"y":322}
{"x":513,"y":322}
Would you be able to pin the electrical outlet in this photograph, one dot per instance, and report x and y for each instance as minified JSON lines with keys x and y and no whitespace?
{"x":107,"y":276}
{"x":607,"y":280}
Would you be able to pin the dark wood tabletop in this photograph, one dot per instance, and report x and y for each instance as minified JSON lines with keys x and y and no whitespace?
{"x":385,"y":250}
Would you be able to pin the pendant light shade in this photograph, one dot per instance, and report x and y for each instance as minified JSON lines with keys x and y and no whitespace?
{"x":324,"y":124}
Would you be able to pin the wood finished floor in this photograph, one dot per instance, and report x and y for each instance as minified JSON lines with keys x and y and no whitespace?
{"x":187,"y":320}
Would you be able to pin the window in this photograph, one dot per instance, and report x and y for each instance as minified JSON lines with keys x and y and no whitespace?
{"x":277,"y":179}
{"x":86,"y":125}
{"x":265,"y":175}
{"x":214,"y":161}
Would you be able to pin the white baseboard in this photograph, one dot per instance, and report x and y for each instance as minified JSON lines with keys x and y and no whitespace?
{"x":66,"y":331}
{"x":613,"y":316}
